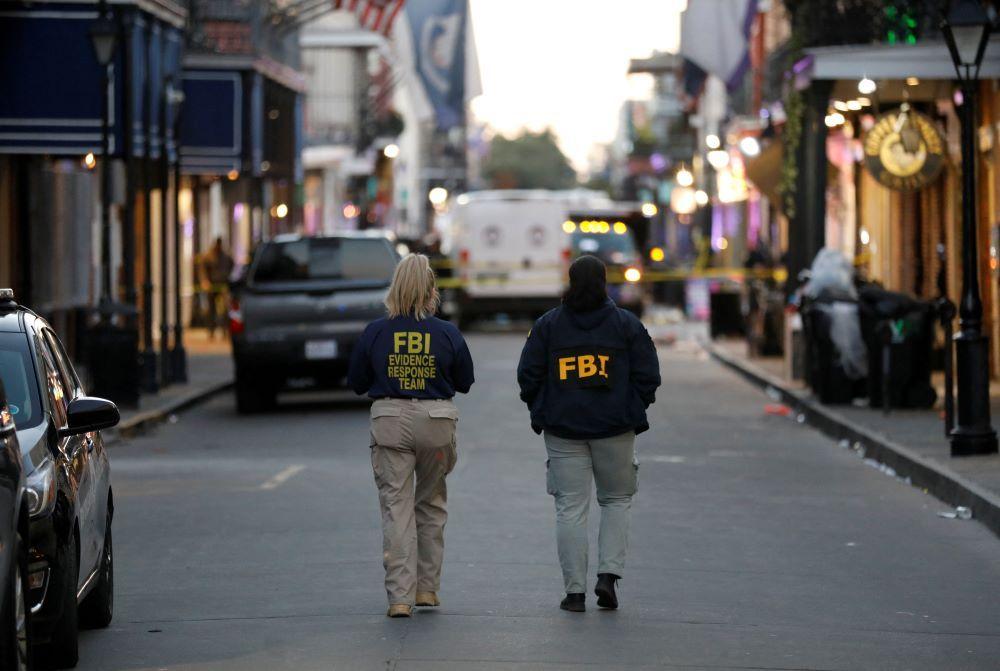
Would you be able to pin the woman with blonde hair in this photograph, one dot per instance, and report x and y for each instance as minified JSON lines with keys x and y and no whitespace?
{"x":411,"y":364}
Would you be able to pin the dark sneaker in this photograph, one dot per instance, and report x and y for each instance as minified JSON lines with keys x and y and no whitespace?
{"x":605,"y":590}
{"x":576,"y":602}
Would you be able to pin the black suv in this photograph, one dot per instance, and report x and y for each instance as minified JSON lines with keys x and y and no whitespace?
{"x":14,"y":648}
{"x":70,"y":505}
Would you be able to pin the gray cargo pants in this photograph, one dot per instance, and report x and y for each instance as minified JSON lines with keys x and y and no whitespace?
{"x":571,"y":467}
{"x":412,"y":437}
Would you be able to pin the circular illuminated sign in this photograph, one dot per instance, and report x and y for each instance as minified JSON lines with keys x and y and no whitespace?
{"x":904,"y":150}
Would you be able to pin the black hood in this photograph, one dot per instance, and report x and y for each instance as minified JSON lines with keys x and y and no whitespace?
{"x":591,"y":319}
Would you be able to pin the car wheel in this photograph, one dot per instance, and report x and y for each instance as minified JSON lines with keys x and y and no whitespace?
{"x":98,"y":607}
{"x":15,"y":649}
{"x":62,"y":650}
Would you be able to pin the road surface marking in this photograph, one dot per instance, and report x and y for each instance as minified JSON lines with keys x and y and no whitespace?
{"x":282,"y":476}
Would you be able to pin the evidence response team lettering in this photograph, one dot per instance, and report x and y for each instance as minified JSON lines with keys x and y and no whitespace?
{"x":411,"y":364}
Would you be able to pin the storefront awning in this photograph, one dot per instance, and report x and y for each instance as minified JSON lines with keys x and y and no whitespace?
{"x":212,"y":122}
{"x":51,"y":91}
{"x":929,"y":60}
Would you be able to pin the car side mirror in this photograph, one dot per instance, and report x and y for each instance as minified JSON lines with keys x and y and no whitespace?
{"x":88,"y":413}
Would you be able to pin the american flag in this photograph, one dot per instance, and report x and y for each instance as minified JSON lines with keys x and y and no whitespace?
{"x":375,"y":15}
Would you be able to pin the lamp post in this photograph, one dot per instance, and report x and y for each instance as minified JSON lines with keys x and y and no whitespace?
{"x":104,"y":36}
{"x":966,"y":29}
{"x":112,"y":338}
{"x":178,"y":357}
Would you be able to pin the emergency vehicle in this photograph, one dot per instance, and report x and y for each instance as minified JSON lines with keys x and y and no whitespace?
{"x":510,"y":249}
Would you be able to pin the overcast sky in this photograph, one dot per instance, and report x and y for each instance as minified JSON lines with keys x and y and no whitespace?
{"x":562,"y":63}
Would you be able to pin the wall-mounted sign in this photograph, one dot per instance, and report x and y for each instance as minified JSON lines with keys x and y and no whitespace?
{"x":904,"y":150}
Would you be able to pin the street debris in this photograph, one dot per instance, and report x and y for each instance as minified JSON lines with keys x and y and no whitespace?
{"x":773,"y":393}
{"x":959,"y":513}
{"x":882,"y":468}
{"x":779,"y":409}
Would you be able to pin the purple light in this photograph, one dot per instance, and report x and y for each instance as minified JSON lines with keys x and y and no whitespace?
{"x":657,"y":162}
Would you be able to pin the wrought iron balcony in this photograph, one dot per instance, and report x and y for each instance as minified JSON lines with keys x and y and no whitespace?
{"x":835,"y":22}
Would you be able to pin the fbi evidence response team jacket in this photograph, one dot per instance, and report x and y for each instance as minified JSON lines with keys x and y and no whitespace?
{"x":588,"y":375}
{"x":405,"y":357}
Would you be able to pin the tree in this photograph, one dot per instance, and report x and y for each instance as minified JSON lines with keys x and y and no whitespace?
{"x":528,"y":161}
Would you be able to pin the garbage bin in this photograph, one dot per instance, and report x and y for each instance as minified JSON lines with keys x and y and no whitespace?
{"x":835,"y":370}
{"x":903,"y":326}
{"x":113,"y":355}
{"x":725,"y":313}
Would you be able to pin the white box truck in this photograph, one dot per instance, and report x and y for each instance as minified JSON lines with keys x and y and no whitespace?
{"x":510,"y":249}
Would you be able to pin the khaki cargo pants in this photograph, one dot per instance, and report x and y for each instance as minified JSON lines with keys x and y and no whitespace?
{"x":412,"y":437}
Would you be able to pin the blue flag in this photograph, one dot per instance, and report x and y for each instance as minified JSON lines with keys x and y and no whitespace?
{"x":438,"y":36}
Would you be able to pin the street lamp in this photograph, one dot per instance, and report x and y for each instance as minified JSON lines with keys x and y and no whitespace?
{"x":104,"y":37}
{"x":112,"y":339}
{"x":178,"y":356}
{"x":966,"y":29}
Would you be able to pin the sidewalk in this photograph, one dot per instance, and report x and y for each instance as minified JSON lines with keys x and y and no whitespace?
{"x":910,"y":442}
{"x":210,"y":371}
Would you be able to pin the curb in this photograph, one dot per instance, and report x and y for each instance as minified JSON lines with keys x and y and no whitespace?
{"x":147,"y":419}
{"x":937,"y":479}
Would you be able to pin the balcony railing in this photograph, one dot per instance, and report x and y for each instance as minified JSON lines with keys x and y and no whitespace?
{"x":835,"y":22}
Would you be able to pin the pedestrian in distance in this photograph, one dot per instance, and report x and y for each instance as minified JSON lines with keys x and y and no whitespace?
{"x":588,"y":372}
{"x":411,"y":364}
{"x":215,"y":270}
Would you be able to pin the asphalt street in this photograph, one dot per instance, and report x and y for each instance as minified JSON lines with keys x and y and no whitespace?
{"x":254,"y":543}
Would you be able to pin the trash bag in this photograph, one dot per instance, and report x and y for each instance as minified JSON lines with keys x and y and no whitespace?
{"x":845,"y":334}
{"x":831,"y":273}
{"x":825,"y":359}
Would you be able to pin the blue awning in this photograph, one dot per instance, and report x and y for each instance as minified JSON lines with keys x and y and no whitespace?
{"x":51,"y":89}
{"x":211,"y":123}
{"x":50,"y":93}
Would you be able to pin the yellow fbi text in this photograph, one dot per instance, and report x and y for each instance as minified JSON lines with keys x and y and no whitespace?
{"x":411,"y":364}
{"x":583,"y":366}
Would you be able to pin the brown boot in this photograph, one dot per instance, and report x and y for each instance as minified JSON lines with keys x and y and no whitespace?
{"x":428,"y":599}
{"x":400,"y":610}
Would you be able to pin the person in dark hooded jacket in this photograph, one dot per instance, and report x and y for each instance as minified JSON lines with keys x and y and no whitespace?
{"x":588,"y":371}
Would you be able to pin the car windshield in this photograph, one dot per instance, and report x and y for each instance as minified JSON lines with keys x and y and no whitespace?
{"x":608,"y":247}
{"x":19,"y":380}
{"x":325,"y":259}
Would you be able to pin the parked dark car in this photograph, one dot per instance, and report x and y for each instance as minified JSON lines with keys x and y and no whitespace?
{"x":300,"y":308}
{"x":14,"y":648}
{"x":70,"y":504}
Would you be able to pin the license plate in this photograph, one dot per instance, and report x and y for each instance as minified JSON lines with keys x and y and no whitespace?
{"x":321,"y":349}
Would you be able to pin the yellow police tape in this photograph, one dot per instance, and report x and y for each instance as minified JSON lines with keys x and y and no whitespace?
{"x":650,"y":276}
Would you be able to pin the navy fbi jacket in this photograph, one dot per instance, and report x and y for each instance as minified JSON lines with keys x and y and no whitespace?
{"x":404,"y":357}
{"x":587,"y":375}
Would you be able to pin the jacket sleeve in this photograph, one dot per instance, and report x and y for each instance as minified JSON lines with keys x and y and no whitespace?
{"x":644,"y":366}
{"x":532,"y":369}
{"x":462,"y":374}
{"x":360,"y":374}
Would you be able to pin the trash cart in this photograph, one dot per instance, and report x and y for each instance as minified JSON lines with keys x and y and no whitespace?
{"x":836,"y":363}
{"x":899,"y":334}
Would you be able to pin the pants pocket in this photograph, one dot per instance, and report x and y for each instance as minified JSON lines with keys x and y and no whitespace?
{"x":386,"y":427}
{"x":550,"y":479}
{"x":438,"y":430}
